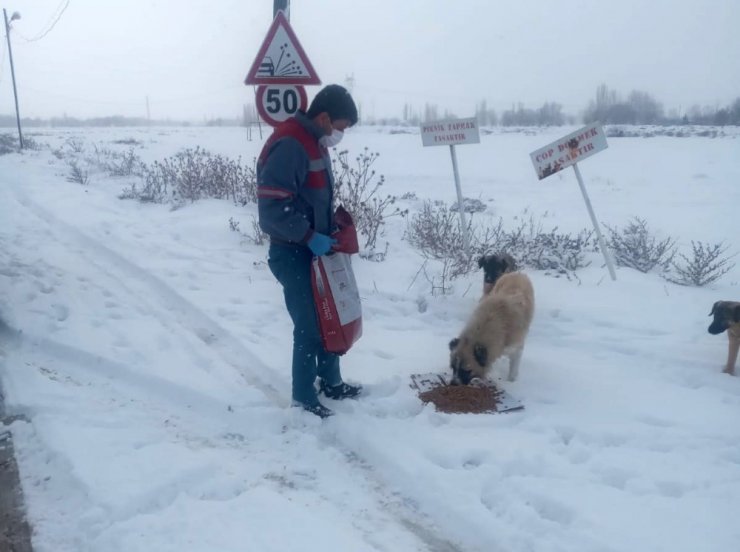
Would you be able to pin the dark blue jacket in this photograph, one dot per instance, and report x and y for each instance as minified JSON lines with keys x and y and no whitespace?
{"x":295,"y":183}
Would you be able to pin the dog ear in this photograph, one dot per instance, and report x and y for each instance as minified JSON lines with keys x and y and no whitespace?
{"x":510,"y":264}
{"x":481,"y":262}
{"x":714,"y":308}
{"x":480,"y":352}
{"x":454,"y":343}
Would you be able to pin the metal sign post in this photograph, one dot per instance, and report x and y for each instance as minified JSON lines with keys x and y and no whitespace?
{"x":599,"y":237}
{"x":463,"y":226}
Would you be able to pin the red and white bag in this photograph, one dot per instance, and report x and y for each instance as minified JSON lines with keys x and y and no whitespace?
{"x":337,"y":301}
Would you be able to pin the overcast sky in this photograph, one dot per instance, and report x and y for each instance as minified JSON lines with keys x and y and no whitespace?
{"x":190,"y":57}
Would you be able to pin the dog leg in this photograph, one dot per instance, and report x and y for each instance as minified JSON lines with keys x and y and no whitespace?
{"x":732,"y":355}
{"x":514,"y":358}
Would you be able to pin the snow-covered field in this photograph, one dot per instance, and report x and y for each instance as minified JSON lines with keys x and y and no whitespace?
{"x":147,"y":351}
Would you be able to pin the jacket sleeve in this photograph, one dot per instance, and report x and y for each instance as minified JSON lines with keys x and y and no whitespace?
{"x":283,"y":172}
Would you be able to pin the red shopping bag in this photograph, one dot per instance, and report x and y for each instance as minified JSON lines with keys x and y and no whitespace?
{"x":346,"y":235}
{"x":337,"y":301}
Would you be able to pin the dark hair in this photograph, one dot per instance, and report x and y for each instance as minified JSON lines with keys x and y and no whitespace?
{"x":336,"y":101}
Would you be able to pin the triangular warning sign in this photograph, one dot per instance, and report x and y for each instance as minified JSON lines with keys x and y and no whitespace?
{"x":281,"y":59}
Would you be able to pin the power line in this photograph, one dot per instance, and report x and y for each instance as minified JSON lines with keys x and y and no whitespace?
{"x":53,"y":20}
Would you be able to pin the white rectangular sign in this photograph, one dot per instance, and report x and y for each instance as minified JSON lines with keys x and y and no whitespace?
{"x":450,"y":132}
{"x":571,"y":149}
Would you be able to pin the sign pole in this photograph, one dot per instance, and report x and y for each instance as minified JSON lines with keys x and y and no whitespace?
{"x":278,"y":5}
{"x":600,"y":238}
{"x":12,"y":74}
{"x":464,"y":227}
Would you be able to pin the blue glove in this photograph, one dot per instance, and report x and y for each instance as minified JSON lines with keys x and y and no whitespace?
{"x":320,"y":244}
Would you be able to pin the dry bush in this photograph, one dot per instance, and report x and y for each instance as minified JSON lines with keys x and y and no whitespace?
{"x":128,"y":142}
{"x":435,"y":232}
{"x":196,"y":174}
{"x":117,"y":163}
{"x":552,"y":251}
{"x":635,"y":247}
{"x":74,"y":144}
{"x":705,"y":265}
{"x":257,"y":236}
{"x":77,"y":173}
{"x":357,"y":189}
{"x":8,"y":144}
{"x":470,"y":205}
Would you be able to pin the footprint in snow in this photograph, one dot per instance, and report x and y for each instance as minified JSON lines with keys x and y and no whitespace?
{"x":61,"y":312}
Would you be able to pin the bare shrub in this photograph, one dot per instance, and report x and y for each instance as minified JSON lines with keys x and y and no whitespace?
{"x":436,"y":233}
{"x":8,"y":144}
{"x":128,"y":142}
{"x":30,"y":143}
{"x":75,"y":144}
{"x":77,"y":173}
{"x":126,"y":163}
{"x":635,"y":247}
{"x":357,"y":189}
{"x":705,"y":265}
{"x":117,"y":163}
{"x":441,"y":283}
{"x":196,"y":174}
{"x":257,"y":236}
{"x":555,"y":251}
{"x":471,"y":205}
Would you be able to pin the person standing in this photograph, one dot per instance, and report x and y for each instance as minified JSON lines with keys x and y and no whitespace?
{"x":295,"y":188}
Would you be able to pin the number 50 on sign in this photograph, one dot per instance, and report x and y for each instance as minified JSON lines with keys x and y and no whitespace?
{"x":278,"y":102}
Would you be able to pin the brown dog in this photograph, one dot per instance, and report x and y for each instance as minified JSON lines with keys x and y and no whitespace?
{"x":498,"y":326}
{"x":494,"y":266}
{"x":727,"y":317}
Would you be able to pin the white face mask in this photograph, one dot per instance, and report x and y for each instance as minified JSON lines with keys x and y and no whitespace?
{"x":333,"y":139}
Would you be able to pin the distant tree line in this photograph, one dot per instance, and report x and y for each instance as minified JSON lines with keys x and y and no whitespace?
{"x":640,"y":108}
{"x":113,"y":121}
{"x":608,"y":107}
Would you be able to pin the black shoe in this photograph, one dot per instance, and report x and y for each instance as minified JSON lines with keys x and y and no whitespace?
{"x":341,"y":391}
{"x":317,"y":409}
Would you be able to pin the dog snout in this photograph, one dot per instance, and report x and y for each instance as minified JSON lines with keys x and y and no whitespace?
{"x":717,"y":327}
{"x":461,"y":377}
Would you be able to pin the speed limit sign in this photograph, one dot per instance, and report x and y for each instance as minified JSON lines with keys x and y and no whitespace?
{"x":278,"y":102}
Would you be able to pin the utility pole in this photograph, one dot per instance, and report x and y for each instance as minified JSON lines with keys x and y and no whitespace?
{"x":278,"y":5}
{"x":15,"y":16}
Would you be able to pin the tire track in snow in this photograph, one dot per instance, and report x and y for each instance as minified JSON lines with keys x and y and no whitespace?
{"x":140,"y":283}
{"x":168,"y":305}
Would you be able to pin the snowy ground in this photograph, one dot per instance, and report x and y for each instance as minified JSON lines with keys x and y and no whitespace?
{"x":147,"y":351}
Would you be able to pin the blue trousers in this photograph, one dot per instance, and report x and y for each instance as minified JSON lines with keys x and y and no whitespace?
{"x":291,"y":265}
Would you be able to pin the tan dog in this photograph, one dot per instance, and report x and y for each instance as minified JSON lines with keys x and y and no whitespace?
{"x":494,"y":265}
{"x":498,"y":326}
{"x":727,"y":317}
